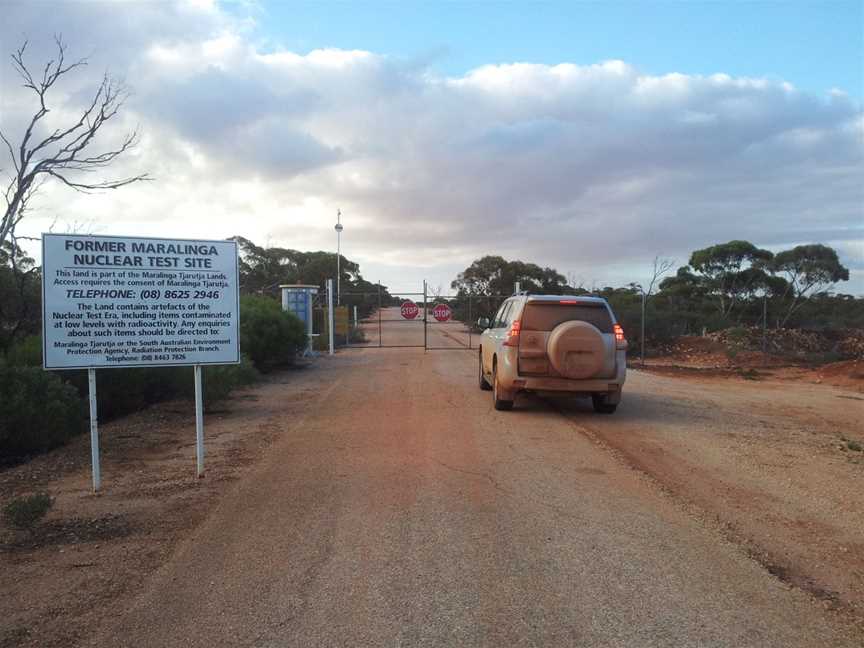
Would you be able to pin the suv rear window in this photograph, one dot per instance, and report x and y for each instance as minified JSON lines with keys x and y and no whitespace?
{"x":539,"y":316}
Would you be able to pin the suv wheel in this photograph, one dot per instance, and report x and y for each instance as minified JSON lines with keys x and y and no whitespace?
{"x":484,"y":384}
{"x":500,"y":404}
{"x":601,"y":406}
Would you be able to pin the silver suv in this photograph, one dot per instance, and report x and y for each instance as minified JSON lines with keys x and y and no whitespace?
{"x":555,"y":344}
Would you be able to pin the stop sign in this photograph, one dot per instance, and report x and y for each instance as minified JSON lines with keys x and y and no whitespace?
{"x":442,"y":312}
{"x":409,"y":309}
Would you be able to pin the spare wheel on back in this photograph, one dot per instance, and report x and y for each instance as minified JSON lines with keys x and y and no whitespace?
{"x":576,"y":349}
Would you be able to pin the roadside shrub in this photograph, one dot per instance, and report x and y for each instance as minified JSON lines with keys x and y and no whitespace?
{"x":25,"y":353}
{"x":219,"y":380}
{"x":737,"y":335}
{"x":122,"y":391}
{"x":357,"y":335}
{"x":38,"y":411}
{"x":270,"y":336}
{"x":25,"y":512}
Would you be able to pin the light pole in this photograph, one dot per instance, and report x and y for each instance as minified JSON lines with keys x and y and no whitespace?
{"x":339,"y":229}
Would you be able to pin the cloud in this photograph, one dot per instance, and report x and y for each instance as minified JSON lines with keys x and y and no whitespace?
{"x":593,"y":169}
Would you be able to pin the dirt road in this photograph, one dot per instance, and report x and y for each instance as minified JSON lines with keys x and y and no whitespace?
{"x":401,"y":509}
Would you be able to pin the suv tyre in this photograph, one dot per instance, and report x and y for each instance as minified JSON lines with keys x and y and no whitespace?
{"x":500,"y":403}
{"x":484,"y":384}
{"x":601,"y":406}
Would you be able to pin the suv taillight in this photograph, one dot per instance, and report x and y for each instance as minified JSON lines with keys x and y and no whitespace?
{"x":512,"y":338}
{"x":620,"y":340}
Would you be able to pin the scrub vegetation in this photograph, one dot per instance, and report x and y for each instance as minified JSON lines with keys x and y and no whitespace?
{"x":731,"y":289}
{"x":733,"y":286}
{"x":24,"y":512}
{"x":40,"y":410}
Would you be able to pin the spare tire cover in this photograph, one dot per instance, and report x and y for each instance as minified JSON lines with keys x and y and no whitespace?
{"x":576,"y":349}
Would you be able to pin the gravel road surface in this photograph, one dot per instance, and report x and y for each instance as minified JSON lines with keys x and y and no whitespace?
{"x":402,"y":510}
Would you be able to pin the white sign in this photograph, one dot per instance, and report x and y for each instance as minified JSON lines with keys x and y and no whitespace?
{"x":113,"y":301}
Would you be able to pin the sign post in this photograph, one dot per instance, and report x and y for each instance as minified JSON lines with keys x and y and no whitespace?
{"x":199,"y":423}
{"x":94,"y":431}
{"x":117,"y":301}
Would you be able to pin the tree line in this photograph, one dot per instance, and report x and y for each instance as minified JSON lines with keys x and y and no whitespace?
{"x":721,"y":286}
{"x":264,"y":269}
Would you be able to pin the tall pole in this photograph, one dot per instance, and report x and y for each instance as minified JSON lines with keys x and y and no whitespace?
{"x":642,"y":355}
{"x":330,"y":318}
{"x":339,"y":229}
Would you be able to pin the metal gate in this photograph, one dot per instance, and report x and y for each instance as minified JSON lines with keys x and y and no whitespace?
{"x":383,"y":319}
{"x":459,"y":331}
{"x":375,"y":320}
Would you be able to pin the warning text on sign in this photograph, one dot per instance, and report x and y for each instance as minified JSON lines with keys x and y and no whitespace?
{"x":127,"y":302}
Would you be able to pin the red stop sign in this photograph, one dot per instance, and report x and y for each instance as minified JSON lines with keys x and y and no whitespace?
{"x":409,"y":309}
{"x":442,"y":312}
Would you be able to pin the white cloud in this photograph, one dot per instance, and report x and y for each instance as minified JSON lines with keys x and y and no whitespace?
{"x":589,"y":168}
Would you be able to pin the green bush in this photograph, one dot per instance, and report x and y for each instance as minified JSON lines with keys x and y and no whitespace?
{"x":24,"y":512}
{"x":38,"y":411}
{"x":217,"y":380}
{"x":25,"y":353}
{"x":268,"y":335}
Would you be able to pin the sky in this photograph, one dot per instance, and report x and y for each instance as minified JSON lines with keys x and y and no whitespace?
{"x":590,"y":137}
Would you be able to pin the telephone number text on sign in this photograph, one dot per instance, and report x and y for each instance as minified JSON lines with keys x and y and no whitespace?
{"x":124,"y":302}
{"x":144,"y":294}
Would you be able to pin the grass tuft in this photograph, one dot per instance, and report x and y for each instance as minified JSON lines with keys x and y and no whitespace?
{"x":25,"y":512}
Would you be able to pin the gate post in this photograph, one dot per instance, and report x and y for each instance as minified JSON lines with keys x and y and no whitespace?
{"x":470,"y":321}
{"x":330,"y":318}
{"x":425,"y":315}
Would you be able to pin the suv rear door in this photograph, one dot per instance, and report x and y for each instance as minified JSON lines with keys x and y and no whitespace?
{"x":542,"y":317}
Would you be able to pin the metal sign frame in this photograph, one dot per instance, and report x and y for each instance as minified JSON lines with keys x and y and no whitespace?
{"x":96,"y":470}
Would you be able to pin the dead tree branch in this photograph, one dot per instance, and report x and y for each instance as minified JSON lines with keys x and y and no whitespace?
{"x":64,"y":153}
{"x":661,"y":267}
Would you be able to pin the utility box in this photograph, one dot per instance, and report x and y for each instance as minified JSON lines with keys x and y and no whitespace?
{"x":297,"y":299}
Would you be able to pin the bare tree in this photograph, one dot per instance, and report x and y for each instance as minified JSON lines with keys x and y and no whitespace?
{"x":64,"y":154}
{"x":660,"y":267}
{"x":434,"y":291}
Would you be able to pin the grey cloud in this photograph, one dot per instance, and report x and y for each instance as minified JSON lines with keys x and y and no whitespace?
{"x":575,"y":166}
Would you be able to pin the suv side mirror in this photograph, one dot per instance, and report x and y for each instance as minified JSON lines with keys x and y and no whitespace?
{"x":483,"y":323}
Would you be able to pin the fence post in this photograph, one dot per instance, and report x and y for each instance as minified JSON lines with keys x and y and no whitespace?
{"x":470,"y":321}
{"x":330,"y":318}
{"x":310,"y":329}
